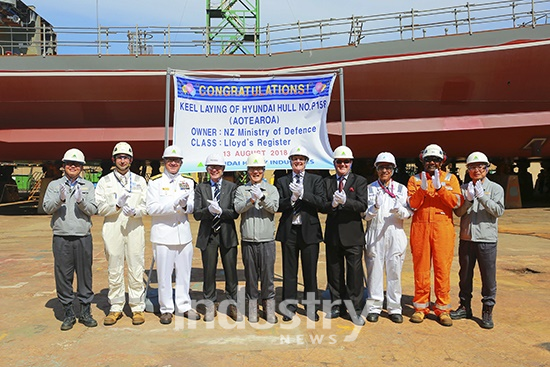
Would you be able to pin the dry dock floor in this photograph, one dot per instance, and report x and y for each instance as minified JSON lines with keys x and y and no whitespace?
{"x":30,"y":315}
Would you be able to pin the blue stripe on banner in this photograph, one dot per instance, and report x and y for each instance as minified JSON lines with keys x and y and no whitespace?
{"x":257,"y":90}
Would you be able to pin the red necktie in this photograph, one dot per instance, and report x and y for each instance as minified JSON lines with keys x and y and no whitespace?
{"x":341,"y":185}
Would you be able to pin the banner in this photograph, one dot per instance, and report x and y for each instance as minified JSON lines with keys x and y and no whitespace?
{"x":237,"y":117}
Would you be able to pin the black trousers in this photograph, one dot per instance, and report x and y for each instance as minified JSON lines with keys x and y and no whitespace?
{"x":210,"y":264}
{"x":345,"y":273}
{"x":486,"y":256}
{"x":293,"y":248}
{"x":73,"y":254}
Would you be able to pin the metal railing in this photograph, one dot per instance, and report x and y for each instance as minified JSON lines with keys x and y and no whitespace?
{"x":302,"y":35}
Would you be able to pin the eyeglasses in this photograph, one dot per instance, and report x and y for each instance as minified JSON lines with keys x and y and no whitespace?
{"x":387,"y":168}
{"x":172,"y":159}
{"x":343,"y":161}
{"x":480,"y":166}
{"x":215,"y":168}
{"x":73,"y":163}
{"x":432,"y":159}
{"x":123,"y":157}
{"x":254,"y":169}
{"x":298,"y":158}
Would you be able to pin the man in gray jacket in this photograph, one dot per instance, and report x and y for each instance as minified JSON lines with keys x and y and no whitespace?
{"x":257,"y":202}
{"x":483,"y":204}
{"x":70,"y":200}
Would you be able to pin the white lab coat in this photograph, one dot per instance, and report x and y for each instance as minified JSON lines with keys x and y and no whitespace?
{"x":386,"y":243}
{"x":124,"y":238}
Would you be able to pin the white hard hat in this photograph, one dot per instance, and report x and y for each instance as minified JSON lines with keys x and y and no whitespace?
{"x":385,"y":157}
{"x":123,"y":148}
{"x":342,"y":152}
{"x":477,"y":157}
{"x":299,"y":151}
{"x":74,"y":155}
{"x":215,"y":159}
{"x":255,"y":160}
{"x":433,"y":150}
{"x":172,"y":151}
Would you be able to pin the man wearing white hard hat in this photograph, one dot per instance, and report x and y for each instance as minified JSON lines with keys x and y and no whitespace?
{"x":120,"y":197}
{"x":346,"y":201}
{"x":385,"y":239}
{"x":170,"y":199}
{"x":71,"y":202}
{"x":301,"y":197}
{"x":215,"y":210}
{"x":483,"y":205}
{"x":257,"y":203}
{"x":432,"y":195}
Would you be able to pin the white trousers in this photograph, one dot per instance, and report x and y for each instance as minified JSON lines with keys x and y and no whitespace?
{"x":118,"y":247}
{"x":168,"y":258}
{"x":388,"y":251}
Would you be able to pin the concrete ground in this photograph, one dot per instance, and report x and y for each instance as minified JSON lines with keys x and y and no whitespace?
{"x":30,"y":315}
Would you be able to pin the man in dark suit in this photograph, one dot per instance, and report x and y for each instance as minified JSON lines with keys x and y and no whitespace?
{"x":344,"y":236}
{"x":301,"y":196}
{"x":214,"y":209}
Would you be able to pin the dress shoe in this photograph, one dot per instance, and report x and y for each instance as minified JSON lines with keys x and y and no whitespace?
{"x":397,"y":318}
{"x":210,"y":313}
{"x":314,"y":316}
{"x":334,"y":313}
{"x":418,"y":317}
{"x":191,"y":315}
{"x":372,"y":317}
{"x":112,"y":318}
{"x":233,"y":312}
{"x":462,"y":312}
{"x":445,"y":319}
{"x":289,"y":317}
{"x":358,"y":319}
{"x":138,"y":318}
{"x":166,"y":318}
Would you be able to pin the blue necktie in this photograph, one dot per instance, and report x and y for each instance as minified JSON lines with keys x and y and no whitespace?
{"x":216,"y":222}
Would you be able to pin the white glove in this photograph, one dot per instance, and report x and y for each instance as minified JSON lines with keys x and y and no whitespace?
{"x":479,"y":189}
{"x":340,"y":197}
{"x":78,"y":193}
{"x":424,"y":181}
{"x":297,"y":190}
{"x":128,"y":211}
{"x":62,"y":192}
{"x":335,"y":201}
{"x":256,"y":192}
{"x":470,"y":192}
{"x":379,"y":199}
{"x":436,"y":180}
{"x":214,"y":208}
{"x":122,"y":200}
{"x":182,"y":200}
{"x":396,"y":206}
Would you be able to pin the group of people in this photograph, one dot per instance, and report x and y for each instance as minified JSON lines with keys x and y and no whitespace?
{"x":430,"y":198}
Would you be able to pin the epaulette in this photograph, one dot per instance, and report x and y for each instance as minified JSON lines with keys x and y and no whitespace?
{"x":156,"y":176}
{"x":187,"y":176}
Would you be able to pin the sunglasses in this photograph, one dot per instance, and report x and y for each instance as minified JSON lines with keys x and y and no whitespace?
{"x":387,"y":168}
{"x":73,"y":163}
{"x":343,"y":161}
{"x":433,"y":159}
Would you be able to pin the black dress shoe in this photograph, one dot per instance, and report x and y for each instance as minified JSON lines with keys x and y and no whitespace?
{"x":287,"y":318}
{"x":462,"y":312}
{"x":358,"y":319}
{"x":397,"y":318}
{"x":334,"y":313}
{"x":372,"y":317}
{"x":314,"y":316}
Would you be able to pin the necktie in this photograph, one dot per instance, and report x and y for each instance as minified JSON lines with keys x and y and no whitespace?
{"x":216,"y":222}
{"x":123,"y":180}
{"x":298,"y":203}
{"x":341,"y":184}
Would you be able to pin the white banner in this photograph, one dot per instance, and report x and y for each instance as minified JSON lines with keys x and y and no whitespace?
{"x":237,"y":117}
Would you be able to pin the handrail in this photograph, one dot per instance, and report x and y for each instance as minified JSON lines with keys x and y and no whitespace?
{"x":137,"y":40}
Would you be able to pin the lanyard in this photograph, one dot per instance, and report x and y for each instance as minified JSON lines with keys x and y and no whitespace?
{"x":121,"y":184}
{"x":390,"y":193}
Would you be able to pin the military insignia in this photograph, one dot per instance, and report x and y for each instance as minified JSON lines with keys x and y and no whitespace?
{"x":184,"y":185}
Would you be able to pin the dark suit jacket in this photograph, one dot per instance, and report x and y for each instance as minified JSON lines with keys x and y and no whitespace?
{"x":228,"y":232}
{"x":312,"y":202}
{"x":344,"y":222}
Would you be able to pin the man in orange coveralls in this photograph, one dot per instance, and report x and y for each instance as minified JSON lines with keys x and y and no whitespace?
{"x":433,"y":194}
